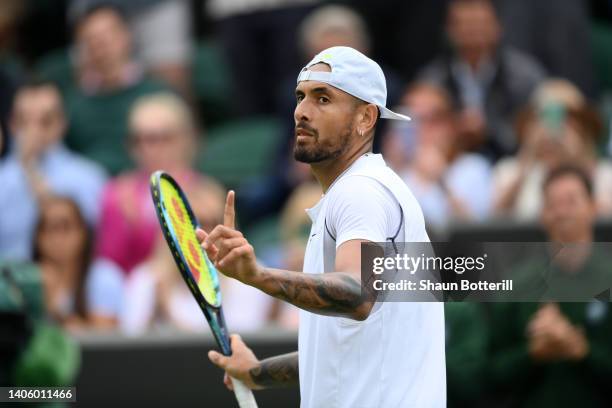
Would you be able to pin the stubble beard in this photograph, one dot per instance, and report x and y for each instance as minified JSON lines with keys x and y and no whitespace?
{"x":319,"y":152}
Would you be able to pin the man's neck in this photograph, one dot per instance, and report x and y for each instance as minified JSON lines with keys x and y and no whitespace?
{"x":327,"y":171}
{"x":474,"y":58}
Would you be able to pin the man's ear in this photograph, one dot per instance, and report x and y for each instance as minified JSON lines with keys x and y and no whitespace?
{"x":368,"y":118}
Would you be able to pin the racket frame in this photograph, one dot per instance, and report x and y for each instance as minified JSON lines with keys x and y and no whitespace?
{"x":213,"y":313}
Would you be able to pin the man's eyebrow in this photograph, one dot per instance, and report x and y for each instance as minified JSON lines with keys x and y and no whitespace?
{"x":318,"y":90}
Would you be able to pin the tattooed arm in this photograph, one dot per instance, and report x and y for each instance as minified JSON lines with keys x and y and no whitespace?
{"x":333,"y":293}
{"x":278,"y":371}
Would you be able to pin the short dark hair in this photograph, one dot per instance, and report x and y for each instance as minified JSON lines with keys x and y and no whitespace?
{"x":569,"y":170}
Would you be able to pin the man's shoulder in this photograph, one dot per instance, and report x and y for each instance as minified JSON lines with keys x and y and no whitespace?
{"x":80,"y":166}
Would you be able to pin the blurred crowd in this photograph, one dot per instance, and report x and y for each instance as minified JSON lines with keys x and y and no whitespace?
{"x":511,"y":102}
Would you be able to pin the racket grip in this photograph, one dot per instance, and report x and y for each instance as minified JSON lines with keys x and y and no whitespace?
{"x":244,"y":395}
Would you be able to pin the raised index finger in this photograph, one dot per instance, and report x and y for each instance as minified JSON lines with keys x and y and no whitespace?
{"x":229,"y":215}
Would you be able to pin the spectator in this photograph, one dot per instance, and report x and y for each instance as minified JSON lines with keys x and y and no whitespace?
{"x":558,"y":126}
{"x":79,"y":292}
{"x":558,"y":354}
{"x":156,"y":295}
{"x":162,"y":136}
{"x":109,"y":81}
{"x":449,"y":183}
{"x":162,"y":36}
{"x":488,"y":82}
{"x":40,"y":164}
{"x":557,"y":33}
{"x":259,"y":39}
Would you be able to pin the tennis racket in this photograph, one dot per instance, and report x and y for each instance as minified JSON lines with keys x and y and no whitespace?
{"x":178,"y":225}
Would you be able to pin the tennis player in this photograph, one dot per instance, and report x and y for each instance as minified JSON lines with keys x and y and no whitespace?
{"x":352,"y":351}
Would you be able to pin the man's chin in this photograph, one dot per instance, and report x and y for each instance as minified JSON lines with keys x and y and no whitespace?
{"x":305,"y":156}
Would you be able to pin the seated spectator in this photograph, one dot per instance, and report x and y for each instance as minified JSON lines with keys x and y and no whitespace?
{"x":449,"y":183}
{"x":79,"y":292}
{"x":557,"y":127}
{"x":162,"y":35}
{"x":258,"y":38}
{"x":157,"y":296}
{"x":557,"y":354}
{"x":162,"y":136}
{"x":488,"y":81}
{"x":108,"y":80}
{"x":39,"y":164}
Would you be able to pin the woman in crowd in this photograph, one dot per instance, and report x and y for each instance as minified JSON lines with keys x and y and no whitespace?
{"x":557,"y":127}
{"x":449,"y":183}
{"x":78,"y":292}
{"x":162,"y":136}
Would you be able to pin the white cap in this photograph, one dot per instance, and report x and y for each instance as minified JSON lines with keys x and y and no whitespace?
{"x":353,"y":73}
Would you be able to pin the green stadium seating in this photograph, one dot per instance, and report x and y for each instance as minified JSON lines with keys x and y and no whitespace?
{"x":240,"y":150}
{"x":601,"y":41}
{"x":211,"y":82}
{"x":264,"y":234}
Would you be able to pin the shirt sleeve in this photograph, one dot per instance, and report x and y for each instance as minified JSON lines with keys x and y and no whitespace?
{"x":362,"y":208}
{"x":104,"y":289}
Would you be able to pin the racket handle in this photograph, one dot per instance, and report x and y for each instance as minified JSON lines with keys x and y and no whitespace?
{"x":244,"y":395}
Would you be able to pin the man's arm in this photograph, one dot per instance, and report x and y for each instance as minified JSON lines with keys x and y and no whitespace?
{"x":334,"y":293}
{"x":277,"y":371}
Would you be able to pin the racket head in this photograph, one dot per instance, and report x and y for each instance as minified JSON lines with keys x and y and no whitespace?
{"x":178,"y":224}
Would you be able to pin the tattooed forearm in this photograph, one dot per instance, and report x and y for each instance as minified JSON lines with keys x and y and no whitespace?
{"x":335,"y":293}
{"x":278,"y":371}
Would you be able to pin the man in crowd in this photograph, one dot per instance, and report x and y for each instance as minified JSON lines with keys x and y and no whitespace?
{"x":109,"y":80}
{"x":40,"y":164}
{"x":558,"y":354}
{"x":488,"y":82}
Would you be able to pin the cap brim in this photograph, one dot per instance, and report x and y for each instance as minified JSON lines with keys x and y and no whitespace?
{"x":389,"y":114}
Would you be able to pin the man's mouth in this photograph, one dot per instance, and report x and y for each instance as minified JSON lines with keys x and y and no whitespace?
{"x":303,"y":132}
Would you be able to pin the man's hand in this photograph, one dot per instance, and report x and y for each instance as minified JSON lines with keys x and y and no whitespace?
{"x":238,"y":365}
{"x":227,"y":248}
{"x":552,"y":337}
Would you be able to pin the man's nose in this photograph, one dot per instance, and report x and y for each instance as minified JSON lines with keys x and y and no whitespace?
{"x":302,"y":112}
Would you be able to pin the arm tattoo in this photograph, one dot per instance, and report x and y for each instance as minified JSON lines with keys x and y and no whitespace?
{"x":278,"y":371}
{"x":335,"y":293}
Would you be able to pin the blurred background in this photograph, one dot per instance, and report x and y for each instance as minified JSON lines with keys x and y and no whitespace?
{"x":511,"y":103}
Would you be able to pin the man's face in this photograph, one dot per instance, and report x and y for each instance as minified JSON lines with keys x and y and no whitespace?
{"x":569,"y":211}
{"x":104,"y":40}
{"x":433,"y":117}
{"x":158,"y":138}
{"x":37,"y":119}
{"x":473,"y":26}
{"x":324,"y":117}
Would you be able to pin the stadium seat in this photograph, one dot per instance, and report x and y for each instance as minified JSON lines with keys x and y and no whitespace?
{"x":211,"y":82}
{"x":601,"y":41}
{"x":239,"y":150}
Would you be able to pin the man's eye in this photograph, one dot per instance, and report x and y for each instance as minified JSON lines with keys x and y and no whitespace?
{"x":299,"y":98}
{"x":323,"y":99}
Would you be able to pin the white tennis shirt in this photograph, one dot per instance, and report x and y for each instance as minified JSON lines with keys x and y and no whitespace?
{"x":394,"y":358}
